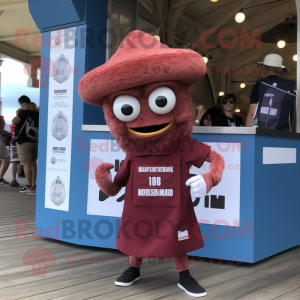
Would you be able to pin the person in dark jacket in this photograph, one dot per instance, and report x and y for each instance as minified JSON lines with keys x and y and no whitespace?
{"x":228,"y":118}
{"x":26,"y":146}
{"x":273,"y":100}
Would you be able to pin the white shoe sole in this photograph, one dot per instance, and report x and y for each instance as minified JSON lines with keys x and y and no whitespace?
{"x":191,"y":294}
{"x":126,"y":283}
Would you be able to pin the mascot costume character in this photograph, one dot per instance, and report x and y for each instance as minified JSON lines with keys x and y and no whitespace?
{"x":143,"y":90}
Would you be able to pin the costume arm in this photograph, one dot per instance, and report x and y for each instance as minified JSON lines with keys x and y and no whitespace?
{"x":104,"y":180}
{"x":217,"y":165}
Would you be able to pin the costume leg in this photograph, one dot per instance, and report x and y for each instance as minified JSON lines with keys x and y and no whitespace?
{"x":135,"y":261}
{"x":132,"y":274}
{"x":186,"y":281}
{"x":181,"y":263}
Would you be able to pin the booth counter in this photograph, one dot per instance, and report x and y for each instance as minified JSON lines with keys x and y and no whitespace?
{"x":253,"y":213}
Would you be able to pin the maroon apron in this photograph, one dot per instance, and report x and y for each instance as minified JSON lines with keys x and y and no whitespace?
{"x":158,"y":218}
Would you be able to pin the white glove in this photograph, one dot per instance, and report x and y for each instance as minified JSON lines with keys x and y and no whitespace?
{"x":198,"y":184}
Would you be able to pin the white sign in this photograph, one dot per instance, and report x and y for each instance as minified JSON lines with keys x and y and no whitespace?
{"x":60,"y":116}
{"x":274,"y":156}
{"x":221,"y":206}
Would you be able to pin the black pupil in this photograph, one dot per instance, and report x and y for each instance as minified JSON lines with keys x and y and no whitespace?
{"x":161,"y":101}
{"x":127,"y":109}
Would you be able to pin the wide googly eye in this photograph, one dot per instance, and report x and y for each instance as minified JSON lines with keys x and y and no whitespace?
{"x":126,"y":108}
{"x":162,"y":100}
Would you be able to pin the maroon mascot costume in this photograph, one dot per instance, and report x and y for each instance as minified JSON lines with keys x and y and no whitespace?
{"x":143,"y":90}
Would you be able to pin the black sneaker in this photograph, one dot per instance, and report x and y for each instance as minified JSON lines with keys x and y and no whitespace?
{"x":4,"y":182}
{"x":14,"y":183}
{"x":25,"y":189}
{"x":32,"y":190}
{"x":190,"y":285}
{"x":131,"y":275}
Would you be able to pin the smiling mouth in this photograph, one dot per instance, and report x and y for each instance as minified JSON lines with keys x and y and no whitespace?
{"x":151,"y":129}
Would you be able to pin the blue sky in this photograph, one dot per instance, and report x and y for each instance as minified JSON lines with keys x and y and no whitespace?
{"x":14,"y":85}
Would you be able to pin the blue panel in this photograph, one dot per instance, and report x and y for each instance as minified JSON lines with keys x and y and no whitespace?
{"x":277,"y":205}
{"x":95,"y":52}
{"x":51,"y":13}
{"x":93,"y":115}
{"x":233,"y":243}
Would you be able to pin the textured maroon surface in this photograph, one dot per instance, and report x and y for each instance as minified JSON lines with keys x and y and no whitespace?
{"x":149,"y":225}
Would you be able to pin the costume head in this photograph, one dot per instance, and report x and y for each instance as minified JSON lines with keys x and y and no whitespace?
{"x":143,"y":90}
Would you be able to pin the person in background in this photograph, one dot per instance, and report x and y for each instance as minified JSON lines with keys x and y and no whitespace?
{"x":24,"y":101}
{"x":206,"y":120}
{"x":284,"y":73}
{"x":4,"y":153}
{"x":200,"y":113}
{"x":278,"y":112}
{"x":32,"y":106}
{"x":208,"y":117}
{"x":228,"y":118}
{"x":214,"y":111}
{"x":14,"y":159}
{"x":27,"y":148}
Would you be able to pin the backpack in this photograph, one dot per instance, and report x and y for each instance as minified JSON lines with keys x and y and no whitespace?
{"x":31,"y":130}
{"x":276,"y":98}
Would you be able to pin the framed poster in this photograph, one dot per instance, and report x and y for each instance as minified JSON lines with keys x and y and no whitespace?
{"x":60,"y":117}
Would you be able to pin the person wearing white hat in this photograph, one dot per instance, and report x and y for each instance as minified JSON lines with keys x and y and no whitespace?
{"x":272,"y":60}
{"x":277,"y":112}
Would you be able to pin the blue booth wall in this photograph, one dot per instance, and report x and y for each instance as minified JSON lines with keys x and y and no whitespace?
{"x":236,"y":243}
{"x":277,"y":205}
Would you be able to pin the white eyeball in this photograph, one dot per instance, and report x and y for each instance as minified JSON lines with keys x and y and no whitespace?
{"x":162,"y":100}
{"x":126,"y":108}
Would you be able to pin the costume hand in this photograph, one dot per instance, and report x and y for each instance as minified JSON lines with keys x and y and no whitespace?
{"x":104,"y":170}
{"x":198,"y":185}
{"x":104,"y":179}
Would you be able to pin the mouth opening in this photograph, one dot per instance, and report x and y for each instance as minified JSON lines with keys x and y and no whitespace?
{"x":151,"y":129}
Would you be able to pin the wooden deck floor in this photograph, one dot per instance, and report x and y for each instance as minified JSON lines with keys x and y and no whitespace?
{"x":275,"y":278}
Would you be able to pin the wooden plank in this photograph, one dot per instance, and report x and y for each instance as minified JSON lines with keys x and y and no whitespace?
{"x":277,"y":277}
{"x":293,"y":295}
{"x":275,"y":290}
